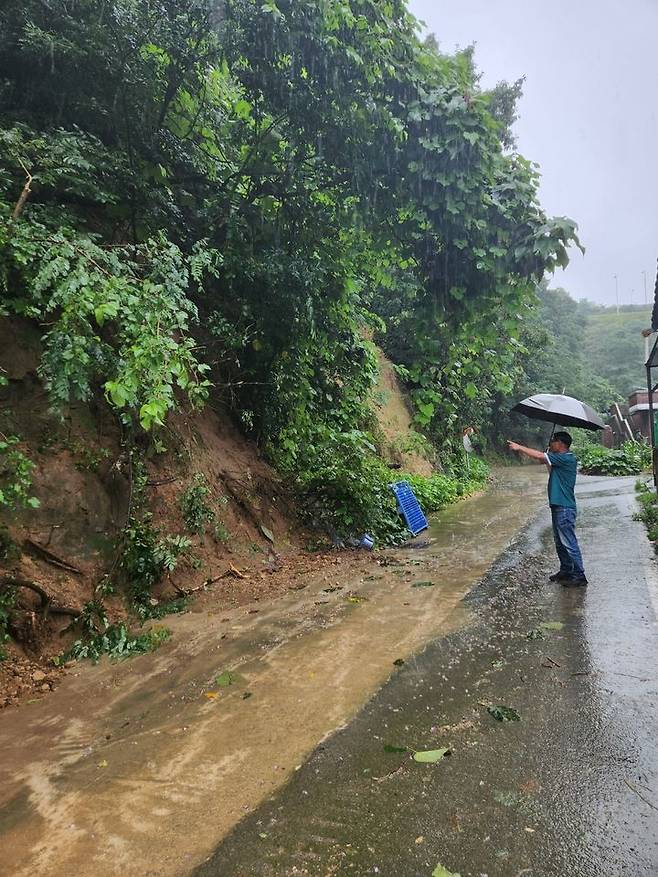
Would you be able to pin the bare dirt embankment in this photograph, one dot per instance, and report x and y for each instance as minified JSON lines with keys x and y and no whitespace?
{"x":57,"y":556}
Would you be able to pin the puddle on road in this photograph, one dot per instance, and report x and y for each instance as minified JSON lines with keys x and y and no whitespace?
{"x":152,"y":755}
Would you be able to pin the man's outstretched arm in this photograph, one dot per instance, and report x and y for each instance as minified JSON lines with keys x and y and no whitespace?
{"x":537,"y":456}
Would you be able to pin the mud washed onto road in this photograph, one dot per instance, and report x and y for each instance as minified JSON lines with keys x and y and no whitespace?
{"x":142,"y":767}
{"x":569,"y":790}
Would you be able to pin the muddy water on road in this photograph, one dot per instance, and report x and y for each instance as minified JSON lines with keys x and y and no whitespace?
{"x":569,"y":790}
{"x":141,"y":768}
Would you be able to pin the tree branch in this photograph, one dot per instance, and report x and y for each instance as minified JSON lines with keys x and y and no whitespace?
{"x":25,"y":194}
{"x":46,"y":599}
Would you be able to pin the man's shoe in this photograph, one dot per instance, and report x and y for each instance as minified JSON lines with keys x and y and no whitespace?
{"x":574,"y":582}
{"x":558,"y":576}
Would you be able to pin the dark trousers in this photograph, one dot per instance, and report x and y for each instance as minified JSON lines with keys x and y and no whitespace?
{"x":566,"y":544}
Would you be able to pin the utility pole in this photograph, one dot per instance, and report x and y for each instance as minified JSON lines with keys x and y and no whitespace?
{"x":616,"y":291}
{"x":644,"y":276}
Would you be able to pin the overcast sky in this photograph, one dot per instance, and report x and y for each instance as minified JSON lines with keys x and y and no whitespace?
{"x":588,"y":117}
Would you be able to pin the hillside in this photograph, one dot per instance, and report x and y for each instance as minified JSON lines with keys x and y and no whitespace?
{"x":229,"y":522}
{"x":198,"y":240}
{"x":615,"y":347}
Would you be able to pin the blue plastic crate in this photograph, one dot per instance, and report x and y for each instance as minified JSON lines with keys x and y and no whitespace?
{"x":409,"y":507}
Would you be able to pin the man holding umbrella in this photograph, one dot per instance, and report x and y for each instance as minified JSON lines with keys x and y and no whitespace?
{"x":562,"y":465}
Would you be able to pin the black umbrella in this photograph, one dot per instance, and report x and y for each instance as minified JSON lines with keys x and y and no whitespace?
{"x":561,"y":410}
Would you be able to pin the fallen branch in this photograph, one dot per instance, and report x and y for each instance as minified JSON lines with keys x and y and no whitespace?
{"x":52,"y":558}
{"x":185,"y":592}
{"x":639,"y":794}
{"x":15,"y":582}
{"x":551,"y":663}
{"x":46,"y":599}
{"x":233,"y":571}
{"x":25,"y":194}
{"x":393,"y":773}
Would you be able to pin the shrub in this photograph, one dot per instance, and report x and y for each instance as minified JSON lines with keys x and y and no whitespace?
{"x":439,"y":490}
{"x":648,"y":513}
{"x":146,"y":557}
{"x":434,"y":492}
{"x":15,"y":475}
{"x":630,"y":459}
{"x":194,"y":506}
{"x":99,"y":637}
{"x":118,"y":643}
{"x":348,"y":489}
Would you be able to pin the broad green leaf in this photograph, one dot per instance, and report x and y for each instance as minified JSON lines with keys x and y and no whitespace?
{"x":440,"y":871}
{"x":431,"y":756}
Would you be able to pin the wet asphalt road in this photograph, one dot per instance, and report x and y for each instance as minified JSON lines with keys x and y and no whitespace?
{"x":570,"y":789}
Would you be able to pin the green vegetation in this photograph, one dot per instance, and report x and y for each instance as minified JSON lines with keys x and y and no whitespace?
{"x":630,"y":459}
{"x":196,"y":511}
{"x":440,"y":490}
{"x":171,"y":607}
{"x":7,"y":601}
{"x":87,"y":459}
{"x":230,"y":204}
{"x":8,"y":548}
{"x":220,"y":533}
{"x":648,"y":500}
{"x":101,"y":638}
{"x":615,"y":347}
{"x":555,"y":360}
{"x":15,"y":475}
{"x":146,"y":556}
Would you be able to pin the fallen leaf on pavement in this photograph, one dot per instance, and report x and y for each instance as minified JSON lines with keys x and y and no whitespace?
{"x":431,"y":756}
{"x":440,"y":871}
{"x":504,"y":713}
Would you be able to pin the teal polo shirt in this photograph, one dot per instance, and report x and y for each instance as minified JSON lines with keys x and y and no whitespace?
{"x":562,"y":479}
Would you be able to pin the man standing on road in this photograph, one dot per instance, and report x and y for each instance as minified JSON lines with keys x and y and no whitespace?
{"x":562,"y":465}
